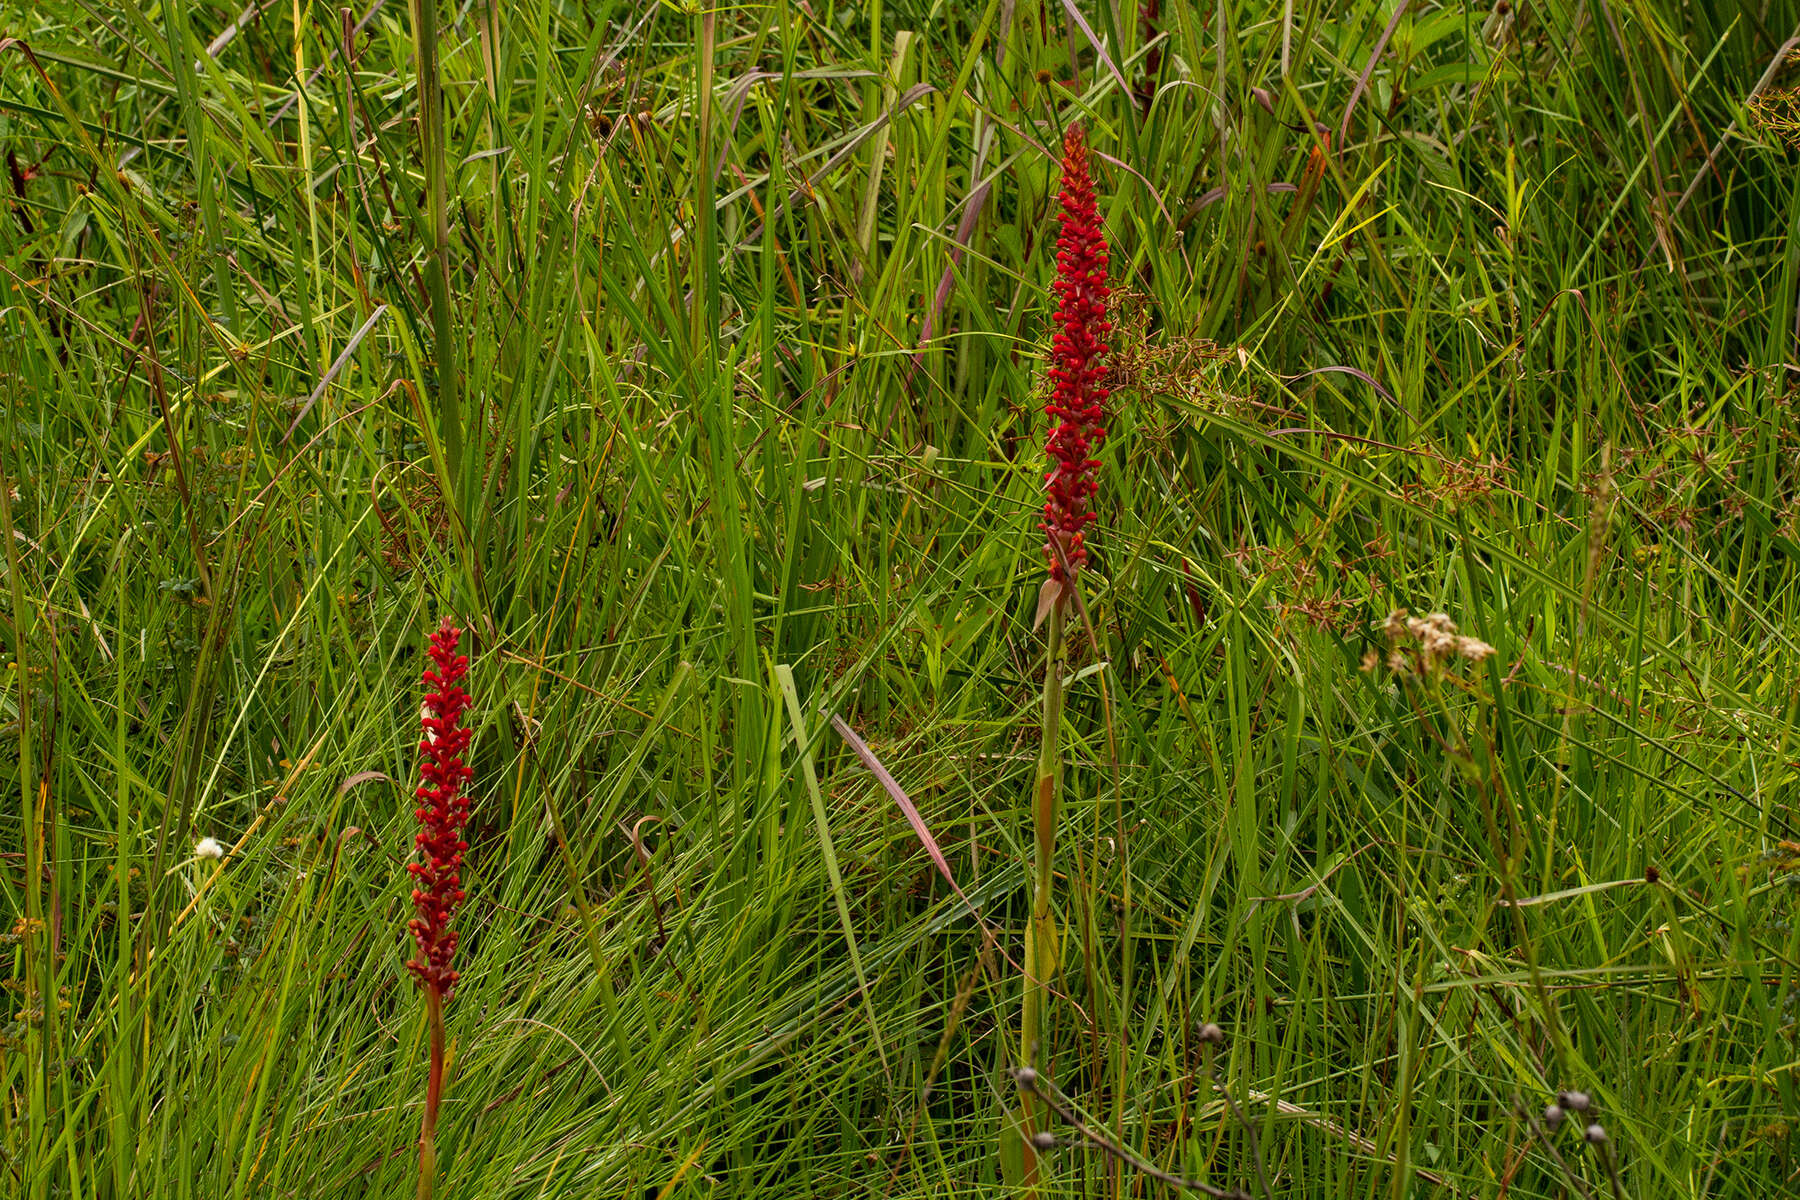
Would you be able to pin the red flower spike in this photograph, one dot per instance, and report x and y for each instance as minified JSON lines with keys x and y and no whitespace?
{"x":1077,"y":404}
{"x":442,"y":811}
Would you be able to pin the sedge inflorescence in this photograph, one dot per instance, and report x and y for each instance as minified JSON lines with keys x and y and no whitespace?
{"x":1077,"y":404}
{"x":442,"y":811}
{"x":1424,"y":645}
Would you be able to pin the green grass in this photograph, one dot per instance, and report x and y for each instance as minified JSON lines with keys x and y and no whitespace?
{"x":744,"y":311}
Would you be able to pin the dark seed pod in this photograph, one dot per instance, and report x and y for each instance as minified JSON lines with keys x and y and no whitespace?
{"x":1574,"y":1101}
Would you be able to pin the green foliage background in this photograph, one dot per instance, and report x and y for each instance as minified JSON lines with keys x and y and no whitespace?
{"x":1424,"y":306}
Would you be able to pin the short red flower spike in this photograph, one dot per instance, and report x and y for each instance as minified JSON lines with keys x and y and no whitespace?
{"x":442,"y":811}
{"x":1077,"y":404}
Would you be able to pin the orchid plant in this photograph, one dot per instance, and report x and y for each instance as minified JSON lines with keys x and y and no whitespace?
{"x":1077,"y":412}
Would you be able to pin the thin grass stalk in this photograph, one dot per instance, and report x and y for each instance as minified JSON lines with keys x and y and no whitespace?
{"x":437,"y":264}
{"x":39,"y":975}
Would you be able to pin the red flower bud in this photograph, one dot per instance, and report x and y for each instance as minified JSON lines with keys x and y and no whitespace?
{"x":442,"y":814}
{"x":1077,"y":404}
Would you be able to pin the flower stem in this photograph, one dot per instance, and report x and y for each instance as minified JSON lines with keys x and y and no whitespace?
{"x":434,"y":1090}
{"x":1040,"y":939}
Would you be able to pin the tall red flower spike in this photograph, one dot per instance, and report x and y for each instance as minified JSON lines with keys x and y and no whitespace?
{"x":1077,"y":404}
{"x":442,"y":811}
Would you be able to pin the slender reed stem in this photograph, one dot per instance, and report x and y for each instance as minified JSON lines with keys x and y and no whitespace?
{"x":437,"y":265}
{"x":1040,"y":938}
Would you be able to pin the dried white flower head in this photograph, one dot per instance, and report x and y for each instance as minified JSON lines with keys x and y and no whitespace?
{"x":1473,"y":649}
{"x":1426,"y":644}
{"x":1435,"y":634}
{"x":209,"y":848}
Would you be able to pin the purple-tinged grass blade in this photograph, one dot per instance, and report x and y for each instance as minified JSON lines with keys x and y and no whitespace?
{"x":1098,"y":44}
{"x":892,"y":787}
{"x":1362,"y":81}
